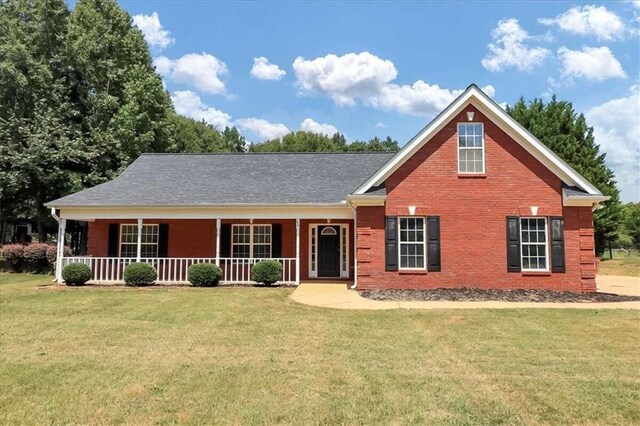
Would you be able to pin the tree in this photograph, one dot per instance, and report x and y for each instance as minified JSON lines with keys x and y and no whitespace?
{"x":629,"y":236}
{"x":302,"y":141}
{"x":40,"y":136}
{"x":567,"y":134}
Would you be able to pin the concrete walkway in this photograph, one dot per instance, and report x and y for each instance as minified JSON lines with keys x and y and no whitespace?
{"x":338,"y":296}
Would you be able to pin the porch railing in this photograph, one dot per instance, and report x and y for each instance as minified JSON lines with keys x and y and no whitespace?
{"x":174,"y":269}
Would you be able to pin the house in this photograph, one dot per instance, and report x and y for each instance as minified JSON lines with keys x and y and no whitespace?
{"x":473,"y":200}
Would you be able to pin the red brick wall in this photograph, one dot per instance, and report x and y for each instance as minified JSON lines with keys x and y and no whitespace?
{"x":197,"y":238}
{"x":472,"y":214}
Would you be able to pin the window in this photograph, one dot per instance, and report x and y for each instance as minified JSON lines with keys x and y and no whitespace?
{"x":251,"y":241}
{"x":533,"y":245}
{"x":470,"y":148}
{"x":129,"y":241}
{"x":412,"y":242}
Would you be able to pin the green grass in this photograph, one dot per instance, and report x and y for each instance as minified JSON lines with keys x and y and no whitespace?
{"x":253,"y":356}
{"x":621,"y":264}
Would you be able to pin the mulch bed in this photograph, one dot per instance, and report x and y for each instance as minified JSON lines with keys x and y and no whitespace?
{"x":483,"y":295}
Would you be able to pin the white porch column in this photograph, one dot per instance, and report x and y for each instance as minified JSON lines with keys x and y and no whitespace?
{"x":139,"y":249}
{"x":218,"y":226}
{"x":62,"y":229}
{"x":297,"y":251}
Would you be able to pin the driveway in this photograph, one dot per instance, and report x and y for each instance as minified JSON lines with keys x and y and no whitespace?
{"x":629,"y":286}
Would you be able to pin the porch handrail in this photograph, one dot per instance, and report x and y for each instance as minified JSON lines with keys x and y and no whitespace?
{"x":174,"y":269}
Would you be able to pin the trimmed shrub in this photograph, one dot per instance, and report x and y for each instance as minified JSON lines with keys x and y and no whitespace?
{"x":204,"y":274}
{"x":51,"y":253}
{"x":76,"y":274}
{"x":35,"y":258}
{"x":140,"y":274}
{"x":267,"y":272}
{"x":13,"y":255}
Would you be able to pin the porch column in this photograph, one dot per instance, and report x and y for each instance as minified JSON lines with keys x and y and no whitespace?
{"x":297,"y":251}
{"x":139,"y":249}
{"x":218,"y":226}
{"x":62,"y":229}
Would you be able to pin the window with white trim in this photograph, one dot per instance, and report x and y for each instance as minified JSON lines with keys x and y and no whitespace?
{"x":411,"y":242}
{"x":129,"y":240}
{"x":534,"y":243}
{"x":470,"y":148}
{"x":252,"y":241}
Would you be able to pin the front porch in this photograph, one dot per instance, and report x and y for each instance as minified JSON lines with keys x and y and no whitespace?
{"x":309,"y":249}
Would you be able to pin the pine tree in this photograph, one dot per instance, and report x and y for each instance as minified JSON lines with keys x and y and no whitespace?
{"x":557,"y":125}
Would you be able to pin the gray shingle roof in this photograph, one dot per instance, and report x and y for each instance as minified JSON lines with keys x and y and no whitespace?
{"x":201,"y":179}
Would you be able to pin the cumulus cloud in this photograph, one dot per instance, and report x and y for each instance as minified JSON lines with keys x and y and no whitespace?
{"x":366,"y":78}
{"x":595,"y":21}
{"x":200,"y":71}
{"x":509,"y":48}
{"x":189,"y":104}
{"x":344,"y":78}
{"x":309,"y":125}
{"x":263,"y":70}
{"x":590,"y":63}
{"x":616,"y":128}
{"x":154,"y":33}
{"x":262,"y":128}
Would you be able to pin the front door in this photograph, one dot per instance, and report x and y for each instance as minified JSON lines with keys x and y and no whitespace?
{"x":329,"y":251}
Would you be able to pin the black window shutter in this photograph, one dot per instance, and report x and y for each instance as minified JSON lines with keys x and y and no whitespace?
{"x":225,"y":240}
{"x":276,"y":240}
{"x":391,"y":243}
{"x":163,"y":240}
{"x":114,"y":234}
{"x":513,"y":244}
{"x":557,"y":245}
{"x":433,"y":243}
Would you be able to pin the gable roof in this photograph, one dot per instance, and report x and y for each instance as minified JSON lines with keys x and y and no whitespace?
{"x":222,"y":179}
{"x":473,"y":95}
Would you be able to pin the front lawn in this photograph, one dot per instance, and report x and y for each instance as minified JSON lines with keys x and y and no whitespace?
{"x":622,"y":264}
{"x":253,"y":356}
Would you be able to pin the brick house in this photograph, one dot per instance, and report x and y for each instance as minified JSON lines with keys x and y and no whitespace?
{"x":473,"y":200}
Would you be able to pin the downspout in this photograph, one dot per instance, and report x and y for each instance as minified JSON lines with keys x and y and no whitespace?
{"x":355,"y":246}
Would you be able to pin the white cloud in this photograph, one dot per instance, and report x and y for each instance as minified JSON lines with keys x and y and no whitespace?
{"x":616,"y":128}
{"x":154,"y":33}
{"x":508,"y":49}
{"x":189,"y":104}
{"x":590,"y":63}
{"x":596,"y":21}
{"x":263,"y":128}
{"x":380,"y":125}
{"x":201,"y":71}
{"x":263,"y":70}
{"x":309,"y":125}
{"x":344,"y":78}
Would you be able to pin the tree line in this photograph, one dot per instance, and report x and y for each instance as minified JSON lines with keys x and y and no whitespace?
{"x":80,"y":100}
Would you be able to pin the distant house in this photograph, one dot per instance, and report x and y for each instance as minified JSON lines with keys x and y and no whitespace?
{"x":473,"y":200}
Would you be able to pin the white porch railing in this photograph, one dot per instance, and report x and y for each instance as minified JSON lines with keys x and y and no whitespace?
{"x":174,"y":269}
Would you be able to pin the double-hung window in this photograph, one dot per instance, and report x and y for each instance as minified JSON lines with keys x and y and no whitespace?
{"x":470,"y":148}
{"x":534,"y":243}
{"x":129,"y":240}
{"x":412,"y":242}
{"x":251,"y":241}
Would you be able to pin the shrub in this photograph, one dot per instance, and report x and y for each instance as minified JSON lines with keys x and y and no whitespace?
{"x":267,"y":272}
{"x":76,"y":274}
{"x":35,"y":258}
{"x":51,"y":253}
{"x":140,"y":274}
{"x":204,"y":274}
{"x":13,"y":255}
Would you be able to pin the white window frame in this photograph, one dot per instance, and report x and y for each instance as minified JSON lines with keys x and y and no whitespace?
{"x":251,"y":242}
{"x":135,"y":227}
{"x":546,"y":244}
{"x":344,"y":248}
{"x":424,"y":244}
{"x":471,"y":123}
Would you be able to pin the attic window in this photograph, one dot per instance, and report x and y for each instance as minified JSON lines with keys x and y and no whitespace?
{"x":470,"y":148}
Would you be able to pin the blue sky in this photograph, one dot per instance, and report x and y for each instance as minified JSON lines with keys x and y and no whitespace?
{"x":374,"y":68}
